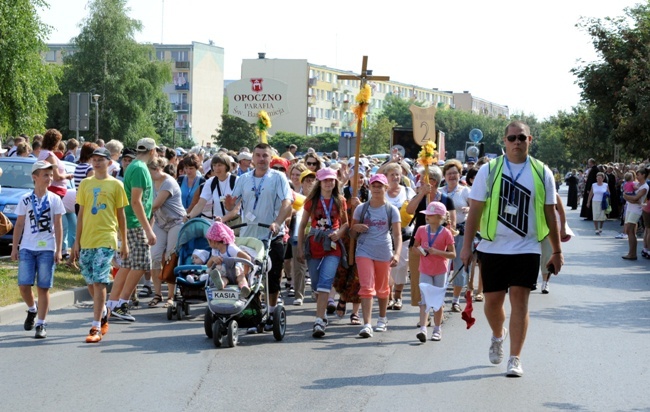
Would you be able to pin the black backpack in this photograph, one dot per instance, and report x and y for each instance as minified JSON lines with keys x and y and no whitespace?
{"x":215,"y":185}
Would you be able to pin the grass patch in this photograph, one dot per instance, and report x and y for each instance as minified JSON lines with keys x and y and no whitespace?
{"x":64,"y":279}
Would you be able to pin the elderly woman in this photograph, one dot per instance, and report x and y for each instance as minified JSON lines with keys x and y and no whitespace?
{"x":397,"y":195}
{"x":115,"y":147}
{"x":595,"y":199}
{"x":416,"y":205}
{"x":452,"y":171}
{"x":168,"y":213}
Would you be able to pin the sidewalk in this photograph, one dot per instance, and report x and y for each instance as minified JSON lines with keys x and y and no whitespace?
{"x":16,"y":312}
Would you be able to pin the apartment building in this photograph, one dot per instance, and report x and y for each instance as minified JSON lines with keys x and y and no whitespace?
{"x":466,"y":102}
{"x":196,"y":91}
{"x":320,"y":103}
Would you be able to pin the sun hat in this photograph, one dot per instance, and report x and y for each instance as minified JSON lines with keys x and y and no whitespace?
{"x":379,"y":178}
{"x":204,"y":255}
{"x":306,"y":173}
{"x":244,"y":156}
{"x":146,"y":144}
{"x":435,"y":208}
{"x":40,"y":165}
{"x":326,"y":173}
{"x":220,"y":232}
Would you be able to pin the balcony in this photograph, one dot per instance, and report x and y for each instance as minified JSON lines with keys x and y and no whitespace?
{"x":336,"y":87}
{"x":184,"y":86}
{"x":182,"y":64}
{"x":345,"y":105}
{"x":336,"y":123}
{"x":311,"y":119}
{"x":180,"y":107}
{"x":335,"y":105}
{"x":311,"y":100}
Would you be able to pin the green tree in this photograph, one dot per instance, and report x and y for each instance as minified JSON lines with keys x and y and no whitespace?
{"x":396,"y":109}
{"x":324,"y":142}
{"x":26,"y":81}
{"x":617,"y":86}
{"x":377,"y":138}
{"x":281,"y":140}
{"x":235,"y":133}
{"x":108,"y":61}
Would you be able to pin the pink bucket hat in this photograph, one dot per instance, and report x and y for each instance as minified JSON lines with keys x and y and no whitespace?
{"x":326,"y":173}
{"x":220,"y":232}
{"x":379,"y":178}
{"x":435,"y":208}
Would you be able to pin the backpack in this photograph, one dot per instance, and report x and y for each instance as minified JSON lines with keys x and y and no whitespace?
{"x":215,"y":185}
{"x":389,"y":214}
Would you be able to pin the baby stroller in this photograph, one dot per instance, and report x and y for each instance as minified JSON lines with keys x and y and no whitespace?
{"x":190,"y":237}
{"x":226,"y":312}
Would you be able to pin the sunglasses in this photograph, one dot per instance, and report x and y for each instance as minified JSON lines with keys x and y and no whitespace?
{"x":279,"y":168}
{"x":521,"y":137}
{"x":312,"y":163}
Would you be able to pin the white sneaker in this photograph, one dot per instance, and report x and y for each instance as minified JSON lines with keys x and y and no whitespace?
{"x":382,"y":325}
{"x":319,"y":328}
{"x":545,"y":288}
{"x":366,"y":331}
{"x":297,"y":302}
{"x":620,"y":236}
{"x":514,"y":367}
{"x":496,"y":348}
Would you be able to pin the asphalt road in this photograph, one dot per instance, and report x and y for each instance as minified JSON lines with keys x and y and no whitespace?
{"x":586,"y":350}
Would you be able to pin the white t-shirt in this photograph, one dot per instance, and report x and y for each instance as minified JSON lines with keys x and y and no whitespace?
{"x":516,"y":233}
{"x":213,"y":199}
{"x":460,"y":196}
{"x":39,"y":236}
{"x":636,"y":207}
{"x":405,"y":193}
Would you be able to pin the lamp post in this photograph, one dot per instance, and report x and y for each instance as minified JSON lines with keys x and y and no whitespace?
{"x":96,"y":99}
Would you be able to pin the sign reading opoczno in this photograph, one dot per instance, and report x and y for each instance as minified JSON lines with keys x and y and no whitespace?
{"x":247,"y":97}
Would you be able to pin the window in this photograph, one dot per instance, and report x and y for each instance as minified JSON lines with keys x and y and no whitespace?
{"x":50,"y":56}
{"x":179,"y":56}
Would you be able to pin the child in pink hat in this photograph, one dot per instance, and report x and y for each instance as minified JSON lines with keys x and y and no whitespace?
{"x":222,"y":241}
{"x":436,"y":244}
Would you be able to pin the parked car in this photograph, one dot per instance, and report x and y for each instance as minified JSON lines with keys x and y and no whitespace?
{"x":15,"y":182}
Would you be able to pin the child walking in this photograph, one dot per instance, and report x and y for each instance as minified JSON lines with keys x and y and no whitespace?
{"x":436,"y":244}
{"x":221,"y":239}
{"x":101,"y":200}
{"x":40,"y":247}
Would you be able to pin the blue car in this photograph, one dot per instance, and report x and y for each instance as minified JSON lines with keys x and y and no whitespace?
{"x":15,"y":182}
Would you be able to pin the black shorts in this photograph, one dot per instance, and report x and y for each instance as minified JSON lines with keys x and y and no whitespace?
{"x":276,"y":253}
{"x":499,"y":272}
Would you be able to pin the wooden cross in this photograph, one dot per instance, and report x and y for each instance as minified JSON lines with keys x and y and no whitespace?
{"x":363,"y":77}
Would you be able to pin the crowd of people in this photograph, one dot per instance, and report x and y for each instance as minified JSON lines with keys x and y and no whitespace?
{"x":407,"y":222}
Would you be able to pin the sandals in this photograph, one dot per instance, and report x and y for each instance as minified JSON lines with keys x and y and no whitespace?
{"x":155,"y":301}
{"x":169,"y":303}
{"x":354,"y":319}
{"x":478,"y":297}
{"x":341,"y":309}
{"x":331,"y":306}
{"x":146,"y":292}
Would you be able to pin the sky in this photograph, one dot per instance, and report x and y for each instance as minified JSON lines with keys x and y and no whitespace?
{"x":514,"y":53}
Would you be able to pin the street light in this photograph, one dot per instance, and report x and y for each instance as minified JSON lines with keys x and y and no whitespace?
{"x":96,"y":99}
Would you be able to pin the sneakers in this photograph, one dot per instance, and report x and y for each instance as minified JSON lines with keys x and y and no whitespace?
{"x":307,"y":280}
{"x":319,"y":328}
{"x":382,"y":325}
{"x":366,"y":331}
{"x":123,"y":313}
{"x":104,"y":327}
{"x":29,"y":321}
{"x":397,"y":305}
{"x":514,"y":367}
{"x":244,"y":292}
{"x":269,"y":324}
{"x":620,"y":236}
{"x":215,"y":276}
{"x":41,"y":333}
{"x":545,"y":288}
{"x":436,"y":336}
{"x":422,"y":335}
{"x":94,"y":336}
{"x":291,"y":293}
{"x":496,"y":348}
{"x":297,"y":302}
{"x":455,"y":307}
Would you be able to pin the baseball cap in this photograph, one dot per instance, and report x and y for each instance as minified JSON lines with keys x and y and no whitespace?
{"x":146,"y":144}
{"x":244,"y":156}
{"x":306,"y":173}
{"x":126,"y":152}
{"x":379,"y":178}
{"x":103,"y":152}
{"x":41,"y":164}
{"x":435,"y":208}
{"x":471,"y":159}
{"x":326,"y":173}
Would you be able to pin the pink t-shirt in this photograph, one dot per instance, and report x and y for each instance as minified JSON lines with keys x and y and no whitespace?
{"x":432,"y":265}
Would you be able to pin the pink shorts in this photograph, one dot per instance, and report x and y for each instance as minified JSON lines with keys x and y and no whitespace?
{"x":373,"y":278}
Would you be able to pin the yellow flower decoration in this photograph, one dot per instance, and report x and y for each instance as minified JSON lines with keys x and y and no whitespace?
{"x":428,"y":154}
{"x":263,"y":123}
{"x":363,"y":98}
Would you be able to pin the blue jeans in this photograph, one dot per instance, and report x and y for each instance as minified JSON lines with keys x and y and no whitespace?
{"x":32,"y":263}
{"x":69,"y":231}
{"x":322,"y":272}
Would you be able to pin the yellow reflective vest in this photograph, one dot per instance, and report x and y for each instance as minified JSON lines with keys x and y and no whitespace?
{"x":489,"y":218}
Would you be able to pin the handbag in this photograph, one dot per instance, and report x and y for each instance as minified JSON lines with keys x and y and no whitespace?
{"x":5,"y":224}
{"x":167,"y":273}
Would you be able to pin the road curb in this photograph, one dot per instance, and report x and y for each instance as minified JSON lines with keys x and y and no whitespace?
{"x":59,"y":300}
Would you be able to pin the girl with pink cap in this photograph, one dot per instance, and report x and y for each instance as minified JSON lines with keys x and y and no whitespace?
{"x":221,"y":239}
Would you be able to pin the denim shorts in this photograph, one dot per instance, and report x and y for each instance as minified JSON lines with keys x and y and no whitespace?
{"x":34,"y":263}
{"x":96,"y":264}
{"x":322,"y":272}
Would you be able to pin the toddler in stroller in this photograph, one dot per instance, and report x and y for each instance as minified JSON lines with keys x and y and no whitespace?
{"x":222,"y":241}
{"x":199,"y":258}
